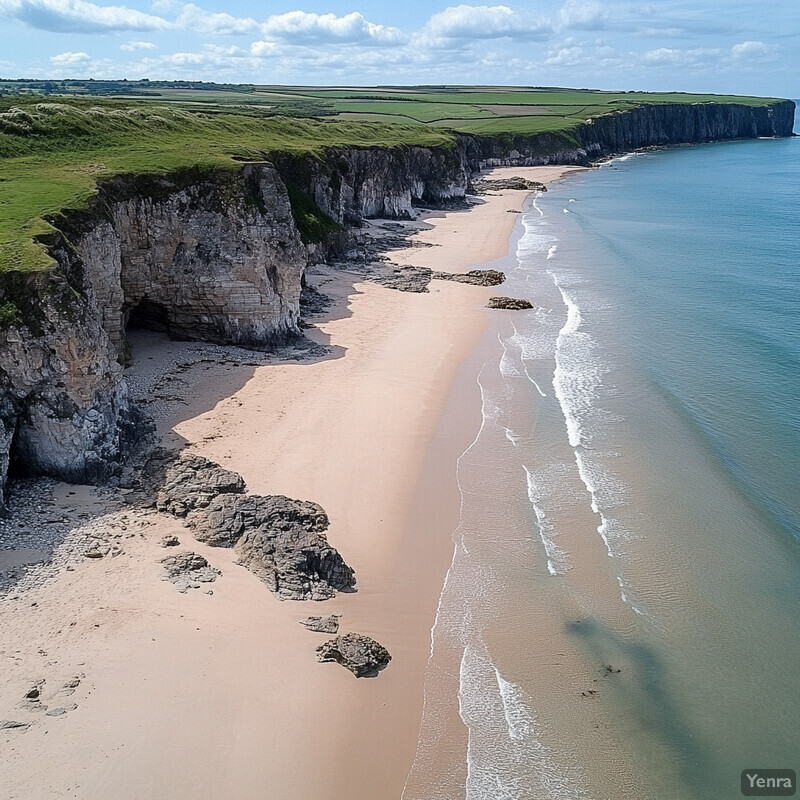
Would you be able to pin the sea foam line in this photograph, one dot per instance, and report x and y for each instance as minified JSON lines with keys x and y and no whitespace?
{"x":557,"y":560}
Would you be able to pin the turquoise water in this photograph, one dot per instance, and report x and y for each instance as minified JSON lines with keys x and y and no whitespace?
{"x":622,"y":615}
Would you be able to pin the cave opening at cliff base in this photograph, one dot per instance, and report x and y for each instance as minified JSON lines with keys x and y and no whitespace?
{"x":145,"y":322}
{"x":148,"y":315}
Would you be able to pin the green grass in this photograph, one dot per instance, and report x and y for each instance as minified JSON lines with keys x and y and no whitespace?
{"x":54,"y":150}
{"x":52,"y":154}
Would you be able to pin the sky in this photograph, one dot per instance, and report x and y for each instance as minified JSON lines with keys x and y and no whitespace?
{"x":723,"y":46}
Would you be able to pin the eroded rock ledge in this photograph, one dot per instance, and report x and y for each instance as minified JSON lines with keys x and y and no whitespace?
{"x":279,"y":539}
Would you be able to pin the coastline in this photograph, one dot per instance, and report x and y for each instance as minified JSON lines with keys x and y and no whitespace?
{"x":233,"y":675}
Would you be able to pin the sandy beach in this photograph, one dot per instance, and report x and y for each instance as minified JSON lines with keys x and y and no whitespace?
{"x":203,"y":695}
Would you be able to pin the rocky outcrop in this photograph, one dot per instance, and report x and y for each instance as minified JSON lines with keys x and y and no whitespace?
{"x":516,"y":183}
{"x":279,"y":539}
{"x":64,"y":407}
{"x":363,"y":656}
{"x":213,"y":256}
{"x":417,"y":279}
{"x":322,"y":624}
{"x":350,"y":184}
{"x":192,"y":482}
{"x":188,"y":570}
{"x":509,"y":303}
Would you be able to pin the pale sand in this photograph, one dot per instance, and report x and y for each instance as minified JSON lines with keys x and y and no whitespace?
{"x":201,"y":696}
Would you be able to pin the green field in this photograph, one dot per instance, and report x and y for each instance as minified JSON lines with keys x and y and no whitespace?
{"x":54,"y":148}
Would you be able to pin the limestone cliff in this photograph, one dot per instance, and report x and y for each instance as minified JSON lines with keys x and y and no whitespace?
{"x":219,"y":255}
{"x":652,"y":125}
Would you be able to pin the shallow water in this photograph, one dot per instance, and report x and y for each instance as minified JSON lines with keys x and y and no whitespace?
{"x":622,"y":615}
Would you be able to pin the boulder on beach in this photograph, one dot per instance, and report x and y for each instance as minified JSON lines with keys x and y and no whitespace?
{"x":363,"y":656}
{"x":509,"y":303}
{"x":322,"y":624}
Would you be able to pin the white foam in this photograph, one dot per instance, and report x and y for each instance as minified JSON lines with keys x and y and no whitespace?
{"x":551,"y":253}
{"x":506,"y":758}
{"x":557,"y":560}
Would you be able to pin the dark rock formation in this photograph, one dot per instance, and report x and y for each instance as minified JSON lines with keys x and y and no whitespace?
{"x":363,"y":656}
{"x":188,"y":570}
{"x":484,"y":185}
{"x":417,"y":279}
{"x":322,"y":624}
{"x":510,"y":303}
{"x":477,"y":277}
{"x":192,"y":482}
{"x":279,"y":539}
{"x":10,"y":724}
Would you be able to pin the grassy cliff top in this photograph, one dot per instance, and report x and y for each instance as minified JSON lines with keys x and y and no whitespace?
{"x":53,"y":150}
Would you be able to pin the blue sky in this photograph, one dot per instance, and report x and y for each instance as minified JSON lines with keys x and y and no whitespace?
{"x":737,"y":46}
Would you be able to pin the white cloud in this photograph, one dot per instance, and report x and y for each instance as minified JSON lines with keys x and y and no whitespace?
{"x":302,"y":26}
{"x":693,"y":57}
{"x":131,"y":47}
{"x":196,"y":19}
{"x":484,"y":22}
{"x":753,"y":51}
{"x":264,"y":49}
{"x":63,"y":60}
{"x":565,"y":57}
{"x":79,"y":16}
{"x":583,"y":16}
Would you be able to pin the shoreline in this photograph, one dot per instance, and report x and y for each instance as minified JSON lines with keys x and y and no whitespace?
{"x":368,"y":427}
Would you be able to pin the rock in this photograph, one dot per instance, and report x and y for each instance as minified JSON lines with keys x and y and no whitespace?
{"x":477,"y":277}
{"x":59,"y":712}
{"x":322,"y":624}
{"x":9,"y":724}
{"x":277,"y":538}
{"x":484,"y":185}
{"x":283,"y":545}
{"x":170,"y":541}
{"x":94,"y":553}
{"x":510,"y":303}
{"x":188,"y":570}
{"x":33,"y":693}
{"x":363,"y":656}
{"x":192,"y":482}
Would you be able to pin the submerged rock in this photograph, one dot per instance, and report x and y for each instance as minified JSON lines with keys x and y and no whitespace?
{"x":510,"y":303}
{"x":363,"y":656}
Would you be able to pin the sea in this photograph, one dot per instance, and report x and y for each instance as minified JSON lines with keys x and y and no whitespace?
{"x":621,"y":618}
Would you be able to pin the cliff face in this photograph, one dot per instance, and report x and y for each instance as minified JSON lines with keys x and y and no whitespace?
{"x":352,"y":184}
{"x":64,"y":408}
{"x":647,"y":126}
{"x":220,"y":257}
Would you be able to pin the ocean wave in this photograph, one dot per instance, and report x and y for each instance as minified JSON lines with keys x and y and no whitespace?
{"x":506,"y":759}
{"x":539,"y":492}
